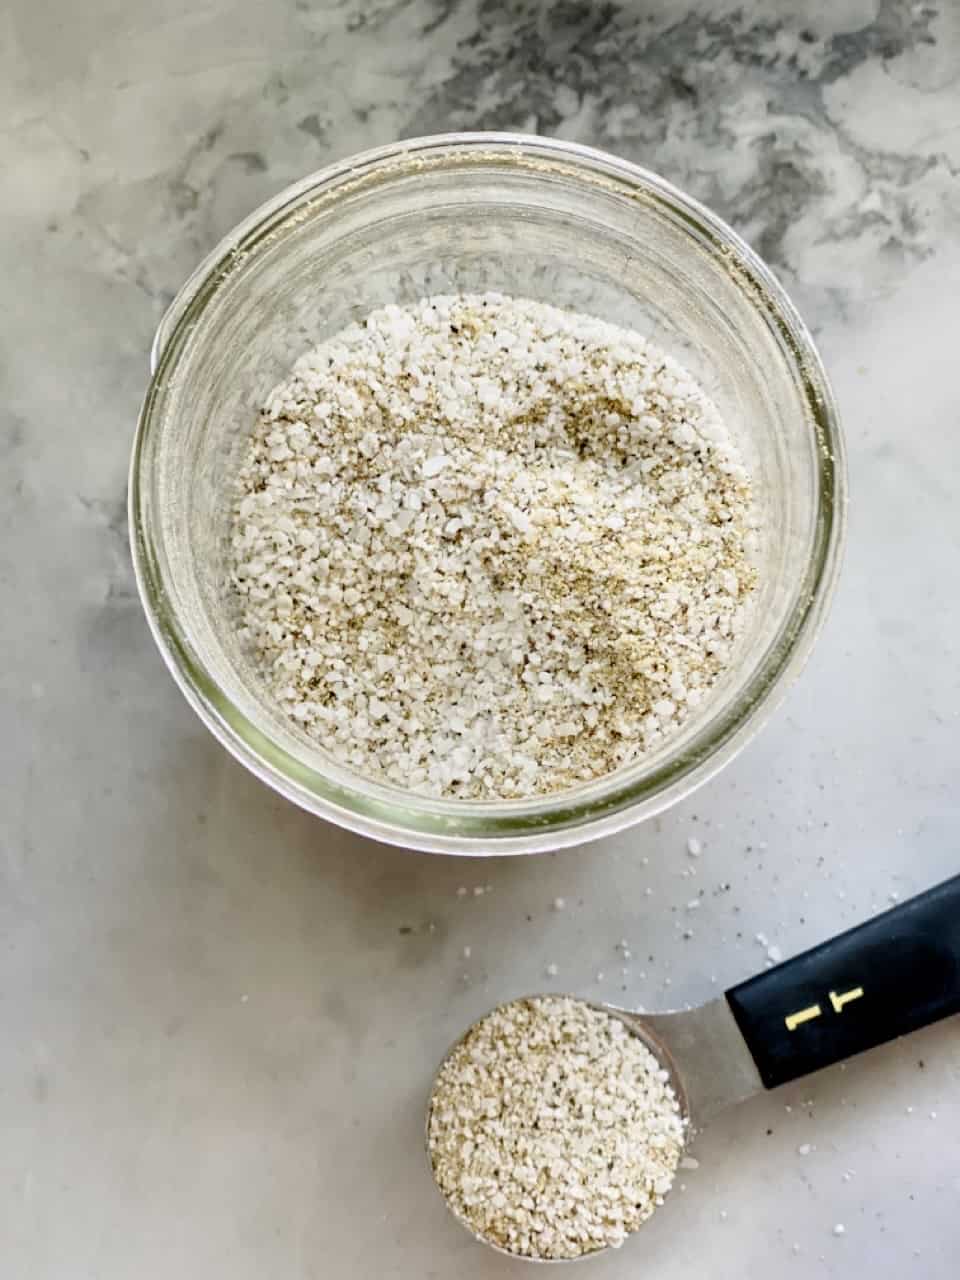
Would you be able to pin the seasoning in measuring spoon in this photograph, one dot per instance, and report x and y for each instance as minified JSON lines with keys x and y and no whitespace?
{"x":553,"y":1131}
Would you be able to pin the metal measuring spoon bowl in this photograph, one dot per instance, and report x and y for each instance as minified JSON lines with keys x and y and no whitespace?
{"x":894,"y":974}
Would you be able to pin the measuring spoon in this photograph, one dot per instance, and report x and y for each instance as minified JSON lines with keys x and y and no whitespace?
{"x":894,"y":974}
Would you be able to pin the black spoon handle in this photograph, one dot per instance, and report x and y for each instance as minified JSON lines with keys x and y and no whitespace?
{"x":894,"y":974}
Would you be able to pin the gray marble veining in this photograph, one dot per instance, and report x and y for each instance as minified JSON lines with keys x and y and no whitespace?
{"x":220,"y":1016}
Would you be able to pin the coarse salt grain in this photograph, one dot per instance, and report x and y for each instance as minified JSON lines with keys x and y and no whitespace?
{"x":553,"y":1131}
{"x":484,"y":568}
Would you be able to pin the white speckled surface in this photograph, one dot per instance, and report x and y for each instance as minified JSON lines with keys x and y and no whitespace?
{"x":219,"y":1016}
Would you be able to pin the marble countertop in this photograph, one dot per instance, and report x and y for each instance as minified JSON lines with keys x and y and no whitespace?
{"x":219,"y":1016}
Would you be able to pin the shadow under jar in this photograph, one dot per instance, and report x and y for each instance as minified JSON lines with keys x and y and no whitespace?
{"x":467,"y":213}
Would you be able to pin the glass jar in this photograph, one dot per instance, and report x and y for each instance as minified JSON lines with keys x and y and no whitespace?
{"x":466,"y":213}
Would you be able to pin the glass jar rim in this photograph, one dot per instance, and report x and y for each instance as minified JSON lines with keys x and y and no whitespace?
{"x":381,"y":810}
